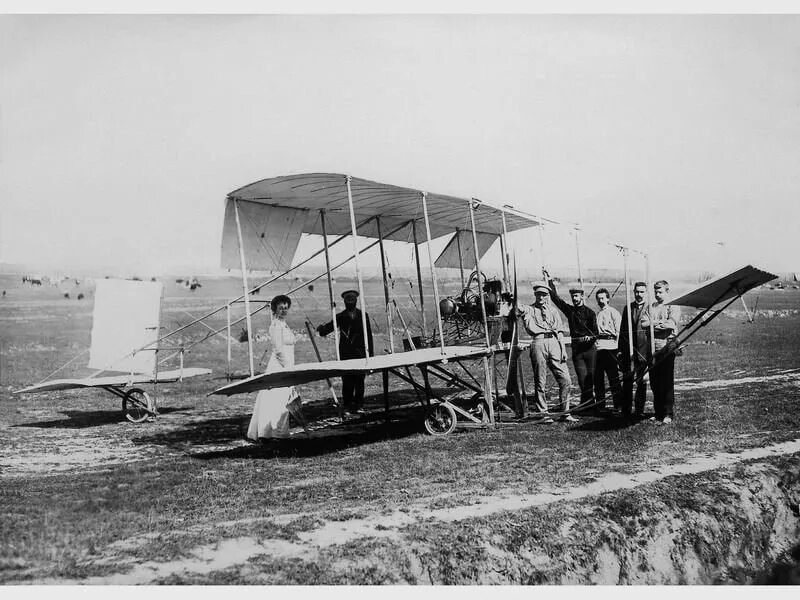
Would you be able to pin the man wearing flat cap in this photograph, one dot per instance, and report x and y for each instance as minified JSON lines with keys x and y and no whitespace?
{"x":544,"y":325}
{"x":351,"y":345}
{"x":582,"y":322}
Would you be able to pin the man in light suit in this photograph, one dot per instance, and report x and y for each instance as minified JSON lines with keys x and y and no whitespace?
{"x":664,"y":319}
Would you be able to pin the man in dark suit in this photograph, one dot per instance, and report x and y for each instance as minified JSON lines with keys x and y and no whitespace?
{"x":351,"y":345}
{"x":634,"y":367}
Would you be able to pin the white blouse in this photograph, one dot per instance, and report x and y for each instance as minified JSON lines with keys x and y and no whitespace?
{"x":283,"y":341}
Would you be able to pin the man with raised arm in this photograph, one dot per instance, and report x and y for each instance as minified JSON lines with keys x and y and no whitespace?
{"x":583,"y":331}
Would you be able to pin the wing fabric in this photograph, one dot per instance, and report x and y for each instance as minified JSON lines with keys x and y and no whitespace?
{"x":305,"y":373}
{"x":724,"y":288}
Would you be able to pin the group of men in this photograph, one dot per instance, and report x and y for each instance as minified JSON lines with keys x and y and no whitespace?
{"x":602,"y":349}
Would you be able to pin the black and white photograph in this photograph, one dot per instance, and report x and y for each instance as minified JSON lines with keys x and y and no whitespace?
{"x":321,"y":298}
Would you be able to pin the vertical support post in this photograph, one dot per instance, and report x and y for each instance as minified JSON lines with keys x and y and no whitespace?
{"x":460,"y":259}
{"x":388,"y":313}
{"x":433,"y":269}
{"x":245,"y":287}
{"x":228,"y":315}
{"x":628,"y":303}
{"x":504,"y":250}
{"x":649,"y":305}
{"x":487,"y":391}
{"x":541,"y":243}
{"x":419,"y":280}
{"x":330,"y":283}
{"x":578,"y":256}
{"x":361,"y":297}
{"x":154,"y":400}
{"x":385,"y":284}
{"x":478,"y":269}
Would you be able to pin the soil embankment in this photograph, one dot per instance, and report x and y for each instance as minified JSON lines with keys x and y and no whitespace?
{"x":738,"y":523}
{"x":729,"y":525}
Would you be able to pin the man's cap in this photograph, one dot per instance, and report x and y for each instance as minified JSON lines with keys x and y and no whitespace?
{"x":576,"y":291}
{"x":349,"y":292}
{"x":540,"y":286}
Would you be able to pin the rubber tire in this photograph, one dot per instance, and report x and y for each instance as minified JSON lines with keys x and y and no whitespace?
{"x":134,"y":405}
{"x":440,"y":419}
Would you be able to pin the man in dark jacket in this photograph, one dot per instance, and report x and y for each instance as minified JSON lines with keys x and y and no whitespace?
{"x":583,"y":331}
{"x":351,"y":345}
{"x":633,"y":368}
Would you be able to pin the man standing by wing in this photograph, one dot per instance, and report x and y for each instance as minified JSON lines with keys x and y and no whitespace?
{"x":351,"y":345}
{"x":664,"y":319}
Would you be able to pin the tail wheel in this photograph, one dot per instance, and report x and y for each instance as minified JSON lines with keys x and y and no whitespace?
{"x":440,"y":419}
{"x":135,"y":405}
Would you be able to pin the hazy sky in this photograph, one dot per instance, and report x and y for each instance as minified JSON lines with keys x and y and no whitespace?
{"x":121,"y":135}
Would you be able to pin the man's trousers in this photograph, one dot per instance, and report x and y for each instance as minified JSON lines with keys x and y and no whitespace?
{"x":607,"y":366}
{"x":662,"y":378}
{"x":353,"y":391}
{"x":584,"y":359}
{"x":546,"y":353}
{"x":633,"y":373}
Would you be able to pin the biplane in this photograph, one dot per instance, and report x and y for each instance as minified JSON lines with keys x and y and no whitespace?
{"x":339,"y":204}
{"x":470,"y":339}
{"x":279,"y":210}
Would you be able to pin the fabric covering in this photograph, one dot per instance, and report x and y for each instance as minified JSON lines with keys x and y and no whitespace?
{"x":724,"y":288}
{"x":309,"y":193}
{"x":112,"y":381}
{"x":463,"y":239}
{"x":125,"y":319}
{"x":305,"y":373}
{"x":270,"y":235}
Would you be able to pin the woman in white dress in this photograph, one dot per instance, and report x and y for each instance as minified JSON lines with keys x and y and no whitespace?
{"x":272,"y":408}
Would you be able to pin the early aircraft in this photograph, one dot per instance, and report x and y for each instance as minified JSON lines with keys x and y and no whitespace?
{"x":339,"y":204}
{"x":263,"y":225}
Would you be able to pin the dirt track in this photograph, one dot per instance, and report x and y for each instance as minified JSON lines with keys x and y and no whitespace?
{"x":238,"y":551}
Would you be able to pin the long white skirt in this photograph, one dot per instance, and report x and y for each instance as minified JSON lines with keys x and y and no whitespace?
{"x":271,"y":411}
{"x":271,"y":414}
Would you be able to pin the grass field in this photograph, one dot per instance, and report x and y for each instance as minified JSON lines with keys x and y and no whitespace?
{"x":85,"y":493}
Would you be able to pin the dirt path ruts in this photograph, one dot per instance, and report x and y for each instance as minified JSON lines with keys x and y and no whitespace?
{"x":235,"y":551}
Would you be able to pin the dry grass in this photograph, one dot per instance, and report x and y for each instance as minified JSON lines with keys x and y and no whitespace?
{"x":169,"y":484}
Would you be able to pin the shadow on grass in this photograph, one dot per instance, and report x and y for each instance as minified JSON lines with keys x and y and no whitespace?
{"x":82,"y":419}
{"x":334,"y":439}
{"x":211,"y":431}
{"x":613,"y":423}
{"x":327,"y":434}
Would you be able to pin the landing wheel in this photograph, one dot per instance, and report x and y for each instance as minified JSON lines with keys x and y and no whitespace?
{"x":135,"y":405}
{"x":440,"y":419}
